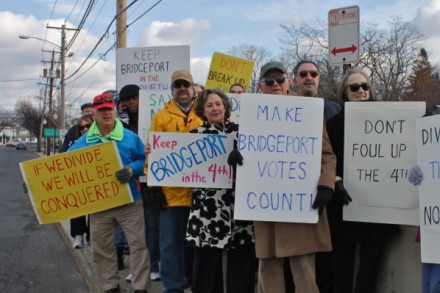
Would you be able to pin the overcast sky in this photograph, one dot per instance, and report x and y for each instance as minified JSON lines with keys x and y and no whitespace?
{"x":207,"y":26}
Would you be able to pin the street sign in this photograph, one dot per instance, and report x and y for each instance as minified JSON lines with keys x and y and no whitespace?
{"x":63,"y":133}
{"x":51,"y":132}
{"x":343,"y":35}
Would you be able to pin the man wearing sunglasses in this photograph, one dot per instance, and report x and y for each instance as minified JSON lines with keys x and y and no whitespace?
{"x":306,"y":79}
{"x":295,"y":242}
{"x":130,"y":216}
{"x":178,"y":115}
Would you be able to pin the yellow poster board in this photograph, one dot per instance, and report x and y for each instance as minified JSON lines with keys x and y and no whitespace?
{"x":225,"y":70}
{"x":76,"y":183}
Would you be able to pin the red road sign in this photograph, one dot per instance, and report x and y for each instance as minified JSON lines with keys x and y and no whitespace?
{"x":343,"y":34}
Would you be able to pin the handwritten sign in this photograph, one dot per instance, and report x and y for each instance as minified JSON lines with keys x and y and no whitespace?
{"x":428,"y":145}
{"x":281,"y":141}
{"x":235,"y":109}
{"x":150,"y":67}
{"x":225,"y":70}
{"x":76,"y":183}
{"x":190,"y":160}
{"x":379,"y":149}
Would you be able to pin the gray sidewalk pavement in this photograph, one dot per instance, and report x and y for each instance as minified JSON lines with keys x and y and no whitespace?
{"x":84,"y":261}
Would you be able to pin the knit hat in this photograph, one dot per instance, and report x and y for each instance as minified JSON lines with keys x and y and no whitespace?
{"x":129,"y":91}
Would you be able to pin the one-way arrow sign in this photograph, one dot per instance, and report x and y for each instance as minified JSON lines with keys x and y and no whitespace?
{"x":343,"y":33}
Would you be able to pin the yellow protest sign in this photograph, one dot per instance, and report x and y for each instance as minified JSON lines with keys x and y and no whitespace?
{"x":225,"y":70}
{"x":76,"y":183}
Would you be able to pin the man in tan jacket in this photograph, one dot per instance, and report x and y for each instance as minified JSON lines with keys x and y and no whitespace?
{"x":296,"y":241}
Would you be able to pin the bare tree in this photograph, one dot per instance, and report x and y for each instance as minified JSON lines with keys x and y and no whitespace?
{"x":7,"y":119}
{"x":258,"y":55}
{"x":30,"y":118}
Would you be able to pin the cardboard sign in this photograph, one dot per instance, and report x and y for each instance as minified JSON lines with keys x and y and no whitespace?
{"x":76,"y":183}
{"x":225,"y":70}
{"x":150,"y":67}
{"x":379,"y":150}
{"x":428,"y":146}
{"x":190,"y":160}
{"x":235,"y":109}
{"x":281,"y":141}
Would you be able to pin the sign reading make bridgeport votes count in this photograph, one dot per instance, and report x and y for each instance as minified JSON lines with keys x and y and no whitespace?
{"x":281,"y":141}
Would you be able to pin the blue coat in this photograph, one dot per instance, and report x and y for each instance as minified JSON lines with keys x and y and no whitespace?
{"x":131,"y":151}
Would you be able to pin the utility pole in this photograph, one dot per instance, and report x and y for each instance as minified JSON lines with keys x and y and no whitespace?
{"x":62,"y":123}
{"x":121,"y":24}
{"x":50,"y":116}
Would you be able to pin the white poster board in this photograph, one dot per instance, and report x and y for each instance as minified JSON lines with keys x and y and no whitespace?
{"x":428,"y":158}
{"x":379,"y":149}
{"x":235,"y":107}
{"x":150,"y":67}
{"x":281,"y":141}
{"x":190,"y":160}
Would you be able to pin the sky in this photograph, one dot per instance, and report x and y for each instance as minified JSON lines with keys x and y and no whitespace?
{"x":207,"y":26}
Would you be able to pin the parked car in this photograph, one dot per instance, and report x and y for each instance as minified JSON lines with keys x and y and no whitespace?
{"x":12,"y":143}
{"x":21,"y":146}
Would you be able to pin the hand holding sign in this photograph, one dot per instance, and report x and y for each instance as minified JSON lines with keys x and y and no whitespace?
{"x":323,"y":197}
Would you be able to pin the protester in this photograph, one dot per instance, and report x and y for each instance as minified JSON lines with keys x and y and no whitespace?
{"x":347,"y":237}
{"x":130,"y":216}
{"x":197,"y":89}
{"x":236,"y":88}
{"x":306,"y":79}
{"x":178,"y":115}
{"x":79,"y":226}
{"x":215,"y":206}
{"x":129,"y":97}
{"x":71,"y":134}
{"x":275,"y":240}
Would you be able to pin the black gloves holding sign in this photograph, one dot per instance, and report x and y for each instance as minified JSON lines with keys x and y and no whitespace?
{"x":235,"y":158}
{"x":341,"y":194}
{"x":323,"y":197}
{"x":154,"y":197}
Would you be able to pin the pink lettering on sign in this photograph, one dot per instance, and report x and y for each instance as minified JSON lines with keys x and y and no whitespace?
{"x":167,"y":144}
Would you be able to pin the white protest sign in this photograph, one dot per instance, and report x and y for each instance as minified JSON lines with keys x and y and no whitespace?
{"x":190,"y":160}
{"x":150,"y":102}
{"x":428,"y":146}
{"x":150,"y":67}
{"x":235,"y":107}
{"x":378,"y":151}
{"x":281,"y":141}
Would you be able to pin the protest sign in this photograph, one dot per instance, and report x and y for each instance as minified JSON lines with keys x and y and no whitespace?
{"x":378,"y":151}
{"x":76,"y":183}
{"x":190,"y":160}
{"x":235,"y":107}
{"x":225,"y":70}
{"x":150,"y":67}
{"x":281,"y":141}
{"x":428,"y":145}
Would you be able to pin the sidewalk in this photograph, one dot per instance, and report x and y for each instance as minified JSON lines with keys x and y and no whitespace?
{"x":84,"y":261}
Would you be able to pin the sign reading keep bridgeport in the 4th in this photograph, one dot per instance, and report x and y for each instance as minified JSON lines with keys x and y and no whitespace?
{"x":281,"y":141}
{"x":76,"y":183}
{"x":190,"y":160}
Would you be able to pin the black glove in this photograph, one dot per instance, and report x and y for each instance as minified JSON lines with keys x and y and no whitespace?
{"x":235,"y":158}
{"x":25,"y":190}
{"x":341,"y":194}
{"x":323,"y":197}
{"x":124,"y":175}
{"x":154,"y":197}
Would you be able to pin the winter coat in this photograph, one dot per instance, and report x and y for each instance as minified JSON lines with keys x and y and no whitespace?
{"x":211,"y":221}
{"x":277,"y":239}
{"x":345,"y":230}
{"x":172,"y":119}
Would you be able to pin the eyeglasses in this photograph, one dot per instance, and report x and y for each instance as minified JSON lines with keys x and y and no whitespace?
{"x":304,"y":73}
{"x":82,"y":127}
{"x":269,"y":81}
{"x":103,"y":100}
{"x":179,"y":83}
{"x":354,"y":87}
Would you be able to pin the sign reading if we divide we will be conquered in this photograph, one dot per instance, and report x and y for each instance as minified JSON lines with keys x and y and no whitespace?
{"x":280,"y":140}
{"x":76,"y":183}
{"x":190,"y":160}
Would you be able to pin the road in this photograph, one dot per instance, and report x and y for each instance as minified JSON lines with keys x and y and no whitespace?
{"x":34,"y":258}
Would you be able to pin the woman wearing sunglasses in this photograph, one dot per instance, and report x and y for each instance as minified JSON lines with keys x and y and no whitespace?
{"x":78,"y":226}
{"x":347,"y":236}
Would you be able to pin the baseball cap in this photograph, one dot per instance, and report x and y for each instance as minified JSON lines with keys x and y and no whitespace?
{"x":103,"y":101}
{"x":182,"y":74}
{"x":270,"y":66}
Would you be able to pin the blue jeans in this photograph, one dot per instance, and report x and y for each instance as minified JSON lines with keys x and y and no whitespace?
{"x":152,"y":220}
{"x":430,"y":278}
{"x":173,"y":222}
